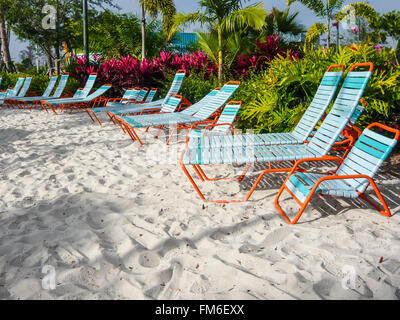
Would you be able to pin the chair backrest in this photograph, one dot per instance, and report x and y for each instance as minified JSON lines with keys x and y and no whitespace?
{"x":172,"y":103}
{"x":358,"y":112}
{"x":227,"y":116}
{"x":50,"y":86}
{"x":78,"y":94}
{"x":176,"y":84}
{"x":130,"y":95}
{"x":99,"y":92}
{"x":198,"y":105}
{"x":345,"y":104}
{"x":322,"y":99}
{"x":17,"y":87}
{"x":61,"y":86}
{"x":25,"y":87}
{"x":3,"y":95}
{"x":367,"y":155}
{"x":151,"y":95}
{"x":217,"y":101}
{"x":142,"y":94}
{"x":89,"y":84}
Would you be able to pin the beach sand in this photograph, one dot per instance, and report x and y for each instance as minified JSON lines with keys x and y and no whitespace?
{"x":113,"y":220}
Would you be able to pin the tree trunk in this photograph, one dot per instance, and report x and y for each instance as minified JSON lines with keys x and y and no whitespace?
{"x":57,"y":59}
{"x":5,"y":47}
{"x":1,"y":59}
{"x":49,"y":59}
{"x":58,"y":44}
{"x":143,"y":32}
{"x":338,"y":38}
{"x":328,"y":38}
{"x":220,"y":59}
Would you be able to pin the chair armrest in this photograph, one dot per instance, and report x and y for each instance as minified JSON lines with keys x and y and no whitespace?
{"x":212,"y":125}
{"x":324,"y":158}
{"x":152,"y":109}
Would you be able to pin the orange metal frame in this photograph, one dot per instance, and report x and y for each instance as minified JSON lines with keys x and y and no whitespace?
{"x":213,"y":125}
{"x":127,"y":128}
{"x":332,"y":176}
{"x":203,"y":177}
{"x":79,"y":105}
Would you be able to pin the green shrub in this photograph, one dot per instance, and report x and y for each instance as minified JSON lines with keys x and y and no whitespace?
{"x":9,"y":80}
{"x":72,"y":86}
{"x":275,"y":100}
{"x":39,"y":83}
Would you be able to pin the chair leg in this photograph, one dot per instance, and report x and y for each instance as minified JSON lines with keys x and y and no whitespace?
{"x":90,"y":113}
{"x":192,"y":181}
{"x":248,"y":195}
{"x":132,"y":133}
{"x":44,"y":104}
{"x":386,"y":210}
{"x":121,"y":125}
{"x":204,"y":176}
{"x":303,"y":206}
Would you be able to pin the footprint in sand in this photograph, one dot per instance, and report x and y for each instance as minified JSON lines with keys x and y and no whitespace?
{"x":201,"y":285}
{"x":149,"y":260}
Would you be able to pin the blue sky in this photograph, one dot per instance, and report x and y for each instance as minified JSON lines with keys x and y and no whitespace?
{"x":306,"y":17}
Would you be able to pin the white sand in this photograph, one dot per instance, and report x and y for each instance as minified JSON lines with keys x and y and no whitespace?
{"x":87,"y":201}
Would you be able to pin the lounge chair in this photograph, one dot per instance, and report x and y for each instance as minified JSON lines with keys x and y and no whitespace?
{"x":183,"y":119}
{"x":20,"y":102}
{"x":352,"y":177}
{"x":223,"y":125}
{"x":129,"y":95}
{"x":81,"y":102}
{"x":15,"y":93}
{"x":142,"y":95}
{"x":139,"y":107}
{"x":317,"y":108}
{"x":81,"y":93}
{"x":169,"y":106}
{"x":321,"y":143}
{"x":189,"y":109}
{"x":151,"y":95}
{"x":30,"y":102}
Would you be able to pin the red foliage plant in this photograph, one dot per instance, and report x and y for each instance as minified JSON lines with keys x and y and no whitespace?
{"x":266,"y":52}
{"x":126,"y":72}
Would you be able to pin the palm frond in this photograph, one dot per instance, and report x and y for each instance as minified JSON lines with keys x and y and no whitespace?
{"x":183,"y":19}
{"x":252,"y":16}
{"x":314,"y":33}
{"x":209,"y":43}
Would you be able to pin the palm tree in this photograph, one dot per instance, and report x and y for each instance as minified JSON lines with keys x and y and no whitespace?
{"x":322,"y":9}
{"x":223,"y":17}
{"x":282,"y":22}
{"x":153,"y":7}
{"x":5,"y":36}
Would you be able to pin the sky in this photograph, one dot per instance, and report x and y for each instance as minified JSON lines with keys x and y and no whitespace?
{"x":305,"y":17}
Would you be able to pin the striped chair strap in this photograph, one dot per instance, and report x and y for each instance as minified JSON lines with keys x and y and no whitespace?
{"x":342,"y":110}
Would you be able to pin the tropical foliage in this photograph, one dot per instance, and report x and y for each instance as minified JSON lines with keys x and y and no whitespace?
{"x":275,"y":99}
{"x":154,"y":7}
{"x":222,"y":17}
